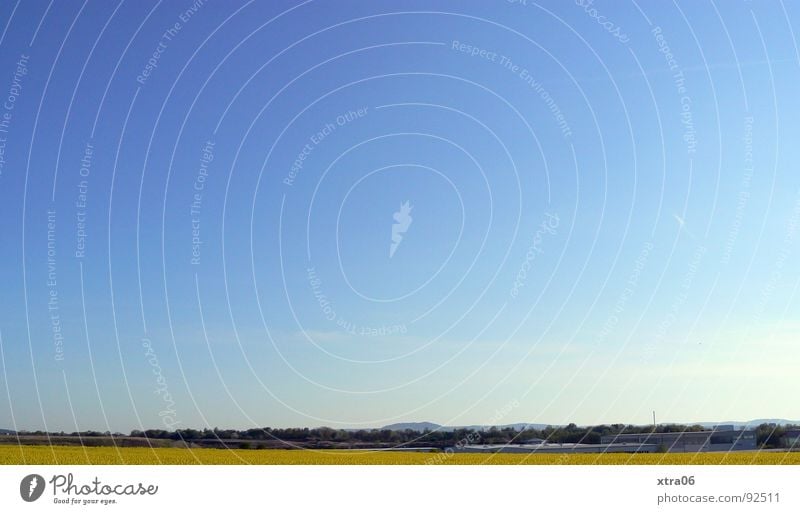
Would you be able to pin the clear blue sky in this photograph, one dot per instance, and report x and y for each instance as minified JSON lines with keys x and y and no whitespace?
{"x":199,"y":202}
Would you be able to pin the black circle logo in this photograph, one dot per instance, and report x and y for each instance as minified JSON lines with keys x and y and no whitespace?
{"x":31,"y":487}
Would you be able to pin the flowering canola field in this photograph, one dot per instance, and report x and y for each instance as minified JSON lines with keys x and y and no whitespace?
{"x":12,"y":454}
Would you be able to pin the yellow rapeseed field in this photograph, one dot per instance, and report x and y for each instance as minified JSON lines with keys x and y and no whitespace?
{"x":11,"y":454}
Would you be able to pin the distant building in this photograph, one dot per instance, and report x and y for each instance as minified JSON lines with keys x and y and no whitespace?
{"x":707,"y":441}
{"x":791,"y":438}
{"x":534,"y":440}
{"x":650,"y":442}
{"x":554,"y":448}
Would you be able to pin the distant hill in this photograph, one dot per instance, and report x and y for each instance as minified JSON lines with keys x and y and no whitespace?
{"x":426,"y":425}
{"x":753,"y":423}
{"x":419,"y":427}
{"x":4,"y":431}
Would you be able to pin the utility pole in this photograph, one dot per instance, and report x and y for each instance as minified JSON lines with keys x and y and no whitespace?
{"x":654,"y":421}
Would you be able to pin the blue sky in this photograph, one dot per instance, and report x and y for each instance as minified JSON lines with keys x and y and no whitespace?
{"x":198,"y":201}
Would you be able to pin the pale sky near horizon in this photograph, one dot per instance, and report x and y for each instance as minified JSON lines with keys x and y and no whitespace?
{"x":353,"y":213}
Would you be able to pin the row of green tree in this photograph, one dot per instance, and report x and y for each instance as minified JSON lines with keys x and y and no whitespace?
{"x":767,"y":435}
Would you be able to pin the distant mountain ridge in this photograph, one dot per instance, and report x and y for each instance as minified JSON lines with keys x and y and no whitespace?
{"x":753,"y":423}
{"x":427,"y":425}
{"x":417,"y":426}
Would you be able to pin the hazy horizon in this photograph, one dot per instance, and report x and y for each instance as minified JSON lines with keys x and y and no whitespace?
{"x":426,"y":422}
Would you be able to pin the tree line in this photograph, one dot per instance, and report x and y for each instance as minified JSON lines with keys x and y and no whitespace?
{"x":768,"y":435}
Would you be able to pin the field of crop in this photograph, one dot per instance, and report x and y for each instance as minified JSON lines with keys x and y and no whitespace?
{"x":109,"y":455}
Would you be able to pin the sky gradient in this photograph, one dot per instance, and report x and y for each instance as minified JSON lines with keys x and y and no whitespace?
{"x":350,"y":213}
